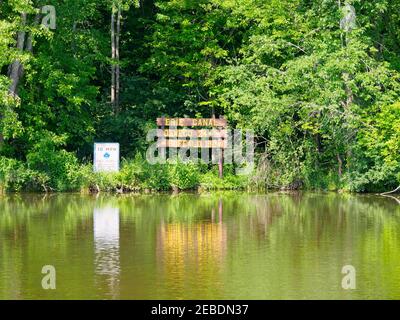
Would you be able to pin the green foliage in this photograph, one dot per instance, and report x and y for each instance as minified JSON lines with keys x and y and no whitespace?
{"x":309,"y":88}
{"x":324,"y":102}
{"x":60,"y":166}
{"x":378,"y":150}
{"x":184,"y":175}
{"x":138,"y":174}
{"x":212,"y":181}
{"x":14,"y":176}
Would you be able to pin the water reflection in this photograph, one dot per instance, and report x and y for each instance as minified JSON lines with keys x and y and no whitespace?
{"x":106,"y":242}
{"x":225,"y":246}
{"x":196,"y":248}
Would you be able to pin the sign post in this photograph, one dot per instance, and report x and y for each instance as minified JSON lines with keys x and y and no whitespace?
{"x":106,"y":157}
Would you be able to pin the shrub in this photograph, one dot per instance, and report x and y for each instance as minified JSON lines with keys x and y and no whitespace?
{"x":132,"y":173}
{"x":184,"y":176}
{"x":14,"y":177}
{"x":157,"y":178}
{"x":137,"y":174}
{"x":60,"y":166}
{"x":211,"y":180}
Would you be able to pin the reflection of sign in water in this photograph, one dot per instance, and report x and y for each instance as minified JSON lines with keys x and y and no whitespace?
{"x":199,"y":241}
{"x":205,"y":240}
{"x":187,"y":250}
{"x":106,"y":157}
{"x":106,"y":241}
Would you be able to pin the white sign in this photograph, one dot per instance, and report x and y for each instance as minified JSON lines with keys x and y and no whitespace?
{"x":106,"y":157}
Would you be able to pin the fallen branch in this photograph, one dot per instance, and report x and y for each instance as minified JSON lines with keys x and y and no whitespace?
{"x":390,"y":192}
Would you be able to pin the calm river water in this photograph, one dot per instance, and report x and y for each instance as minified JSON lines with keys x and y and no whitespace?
{"x":224,"y":246}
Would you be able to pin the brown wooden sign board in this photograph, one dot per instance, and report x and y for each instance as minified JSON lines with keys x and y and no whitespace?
{"x":191,"y":133}
{"x":199,"y":138}
{"x":179,"y":143}
{"x":192,"y":122}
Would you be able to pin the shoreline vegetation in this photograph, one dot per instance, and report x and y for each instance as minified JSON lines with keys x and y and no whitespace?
{"x":61,"y":172}
{"x":318,"y":82}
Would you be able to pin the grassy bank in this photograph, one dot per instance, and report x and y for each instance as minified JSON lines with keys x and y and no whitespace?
{"x":49,"y":169}
{"x":63,"y":173}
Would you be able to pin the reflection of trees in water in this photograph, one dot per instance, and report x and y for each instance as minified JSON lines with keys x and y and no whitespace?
{"x":293,"y":227}
{"x":36,"y":230}
{"x":296,"y":243}
{"x":257,"y":216}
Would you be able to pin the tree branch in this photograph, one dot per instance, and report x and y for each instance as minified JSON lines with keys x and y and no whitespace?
{"x":390,"y":192}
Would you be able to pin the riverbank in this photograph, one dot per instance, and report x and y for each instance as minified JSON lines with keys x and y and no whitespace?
{"x":61,"y":171}
{"x":65,"y":174}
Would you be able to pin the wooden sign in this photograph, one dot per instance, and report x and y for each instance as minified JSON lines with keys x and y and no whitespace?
{"x":191,"y":122}
{"x":179,"y":143}
{"x":215,"y":138}
{"x":191,"y":133}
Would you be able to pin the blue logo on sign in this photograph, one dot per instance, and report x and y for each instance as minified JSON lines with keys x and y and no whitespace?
{"x":106,"y":155}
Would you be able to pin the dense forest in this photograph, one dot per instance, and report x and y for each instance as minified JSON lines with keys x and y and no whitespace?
{"x":318,"y":82}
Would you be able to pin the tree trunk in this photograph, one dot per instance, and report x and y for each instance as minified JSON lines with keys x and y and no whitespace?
{"x":29,"y":40}
{"x":348,"y":91}
{"x":113,"y":55}
{"x":117,"y":67}
{"x":73,"y":43}
{"x":340,"y":166}
{"x":16,"y":67}
{"x":317,"y":138}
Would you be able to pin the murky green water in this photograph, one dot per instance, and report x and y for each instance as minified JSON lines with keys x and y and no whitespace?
{"x":228,"y":246}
